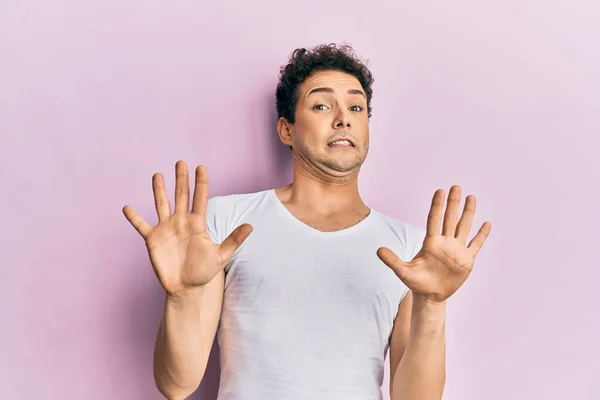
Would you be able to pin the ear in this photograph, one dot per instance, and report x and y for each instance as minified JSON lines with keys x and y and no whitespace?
{"x":284,"y":129}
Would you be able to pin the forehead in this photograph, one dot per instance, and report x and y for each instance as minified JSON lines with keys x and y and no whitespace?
{"x":336,"y":80}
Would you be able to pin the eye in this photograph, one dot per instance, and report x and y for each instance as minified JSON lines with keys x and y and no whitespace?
{"x":356,"y":108}
{"x":320,"y":107}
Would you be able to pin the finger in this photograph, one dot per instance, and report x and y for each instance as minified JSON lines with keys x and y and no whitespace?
{"x":390,"y":259}
{"x":233,"y":241}
{"x":466,"y":220}
{"x":451,"y":215}
{"x":434,"y":219}
{"x":138,"y":223}
{"x":480,"y":238}
{"x":161,"y":202}
{"x":182,"y":188}
{"x":200,"y":201}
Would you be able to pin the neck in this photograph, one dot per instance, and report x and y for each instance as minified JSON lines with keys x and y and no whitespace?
{"x":323,"y":194}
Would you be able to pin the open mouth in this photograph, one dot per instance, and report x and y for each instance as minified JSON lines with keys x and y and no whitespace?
{"x":341,"y":143}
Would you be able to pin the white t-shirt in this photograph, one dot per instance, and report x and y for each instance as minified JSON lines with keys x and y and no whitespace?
{"x":307,"y":315}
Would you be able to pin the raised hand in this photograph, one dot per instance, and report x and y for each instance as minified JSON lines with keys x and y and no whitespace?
{"x":181,"y":251}
{"x":445,"y":261}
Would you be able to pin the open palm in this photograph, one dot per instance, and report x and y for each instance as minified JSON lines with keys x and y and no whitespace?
{"x":181,"y":252}
{"x":445,"y":261}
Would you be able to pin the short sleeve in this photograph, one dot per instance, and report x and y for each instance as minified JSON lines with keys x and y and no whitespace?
{"x":416,"y":239}
{"x":218,"y":214}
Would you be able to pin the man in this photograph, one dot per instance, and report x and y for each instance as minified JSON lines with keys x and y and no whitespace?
{"x":306,"y":286}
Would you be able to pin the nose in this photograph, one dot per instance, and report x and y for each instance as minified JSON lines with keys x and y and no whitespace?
{"x":342,"y":119}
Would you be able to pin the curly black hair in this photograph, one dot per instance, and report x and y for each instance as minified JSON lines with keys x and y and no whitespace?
{"x":303,"y":62}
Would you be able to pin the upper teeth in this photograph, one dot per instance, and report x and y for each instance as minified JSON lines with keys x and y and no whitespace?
{"x":342,"y":142}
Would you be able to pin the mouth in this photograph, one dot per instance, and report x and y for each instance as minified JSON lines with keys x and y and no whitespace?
{"x":341,"y":143}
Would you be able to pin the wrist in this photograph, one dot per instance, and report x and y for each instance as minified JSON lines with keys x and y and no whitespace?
{"x":426,"y":310}
{"x":426,"y":302}
{"x":184,"y":296}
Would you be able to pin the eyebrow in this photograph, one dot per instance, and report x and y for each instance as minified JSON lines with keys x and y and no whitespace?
{"x":330,"y":90}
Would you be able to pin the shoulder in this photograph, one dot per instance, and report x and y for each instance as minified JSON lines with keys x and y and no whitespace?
{"x":410,"y":236}
{"x":224,"y":212}
{"x":225,"y":205}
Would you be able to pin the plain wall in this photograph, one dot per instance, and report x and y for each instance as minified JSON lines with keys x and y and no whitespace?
{"x":500,"y":97}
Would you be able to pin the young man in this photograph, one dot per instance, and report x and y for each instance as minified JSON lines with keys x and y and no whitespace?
{"x":307,"y":286}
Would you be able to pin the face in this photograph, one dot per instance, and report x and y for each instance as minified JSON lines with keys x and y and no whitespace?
{"x":331,"y":131}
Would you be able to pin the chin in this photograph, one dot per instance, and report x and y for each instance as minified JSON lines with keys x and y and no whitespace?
{"x":343,"y":166}
{"x":342,"y":163}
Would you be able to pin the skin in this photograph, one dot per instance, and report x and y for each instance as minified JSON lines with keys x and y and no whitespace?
{"x":189,"y":266}
{"x":326,"y":179}
{"x":323,"y":194}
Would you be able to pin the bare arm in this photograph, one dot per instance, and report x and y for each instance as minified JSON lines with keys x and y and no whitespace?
{"x":418,"y":350}
{"x":185,"y":338}
{"x":189,"y":266}
{"x":436,"y":272}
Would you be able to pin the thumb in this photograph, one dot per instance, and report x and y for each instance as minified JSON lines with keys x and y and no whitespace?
{"x":389,"y":258}
{"x":233,"y":241}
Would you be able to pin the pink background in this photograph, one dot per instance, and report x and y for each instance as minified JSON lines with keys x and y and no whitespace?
{"x":500,"y":97}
